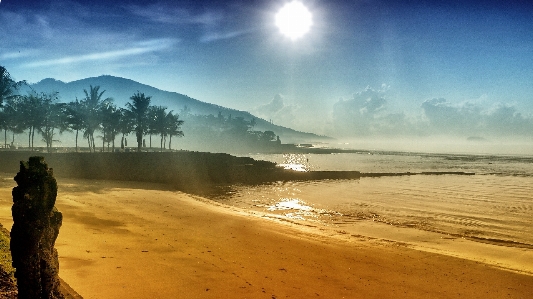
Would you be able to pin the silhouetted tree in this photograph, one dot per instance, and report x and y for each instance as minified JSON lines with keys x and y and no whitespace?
{"x":92,"y":105}
{"x":139,"y":109}
{"x":110,"y":123}
{"x":8,"y":86}
{"x":151,"y":126}
{"x":10,"y":118}
{"x":52,"y":117}
{"x":238,"y":126}
{"x":173,"y":127}
{"x":75,"y":117}
{"x":31,"y":117}
{"x":159,"y":122}
{"x":126,"y":123}
{"x":4,"y":125}
{"x":268,"y":136}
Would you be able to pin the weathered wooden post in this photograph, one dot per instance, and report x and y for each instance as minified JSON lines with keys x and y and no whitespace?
{"x":36,"y":224}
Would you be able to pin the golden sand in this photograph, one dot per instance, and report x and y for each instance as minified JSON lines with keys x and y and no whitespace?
{"x":136,"y":240}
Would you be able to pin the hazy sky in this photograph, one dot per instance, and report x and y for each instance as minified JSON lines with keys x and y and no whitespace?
{"x":365,"y":66}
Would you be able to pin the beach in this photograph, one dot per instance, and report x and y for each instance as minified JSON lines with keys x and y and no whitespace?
{"x":145,"y":240}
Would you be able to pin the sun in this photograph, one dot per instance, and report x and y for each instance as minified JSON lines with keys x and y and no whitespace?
{"x":294,"y":20}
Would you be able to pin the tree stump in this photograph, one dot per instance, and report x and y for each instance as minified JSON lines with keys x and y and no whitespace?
{"x":36,"y":224}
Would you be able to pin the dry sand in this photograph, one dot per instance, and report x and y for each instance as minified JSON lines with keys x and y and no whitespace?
{"x":136,"y":240}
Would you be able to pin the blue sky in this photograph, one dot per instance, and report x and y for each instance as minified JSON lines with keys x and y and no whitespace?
{"x":414,"y":60}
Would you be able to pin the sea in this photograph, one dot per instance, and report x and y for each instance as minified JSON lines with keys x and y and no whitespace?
{"x":490,"y":202}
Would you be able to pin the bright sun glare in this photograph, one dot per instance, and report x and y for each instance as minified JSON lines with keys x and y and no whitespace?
{"x":294,"y":20}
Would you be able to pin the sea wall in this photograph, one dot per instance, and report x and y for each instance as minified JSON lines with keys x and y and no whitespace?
{"x":193,"y":172}
{"x":187,"y":171}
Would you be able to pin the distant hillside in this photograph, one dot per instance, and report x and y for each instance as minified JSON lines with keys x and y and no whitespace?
{"x":121,"y":89}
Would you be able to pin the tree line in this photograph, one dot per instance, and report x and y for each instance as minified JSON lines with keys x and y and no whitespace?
{"x":227,"y":129}
{"x":41,"y":112}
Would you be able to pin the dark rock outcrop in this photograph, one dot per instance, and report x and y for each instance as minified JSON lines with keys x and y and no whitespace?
{"x":8,"y":289}
{"x":36,"y":224}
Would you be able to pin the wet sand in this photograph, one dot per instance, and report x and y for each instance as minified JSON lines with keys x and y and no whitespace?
{"x":140,"y":240}
{"x":483,"y":218}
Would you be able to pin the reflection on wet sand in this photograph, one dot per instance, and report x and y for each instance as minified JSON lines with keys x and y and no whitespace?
{"x":293,"y":208}
{"x":483,"y":207}
{"x":492,"y":207}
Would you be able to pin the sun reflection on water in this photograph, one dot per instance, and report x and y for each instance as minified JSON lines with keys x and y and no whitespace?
{"x":290,"y":204}
{"x":294,"y":208}
{"x":296,"y":162}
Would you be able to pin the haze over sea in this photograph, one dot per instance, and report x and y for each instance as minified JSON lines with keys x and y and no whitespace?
{"x":492,"y":207}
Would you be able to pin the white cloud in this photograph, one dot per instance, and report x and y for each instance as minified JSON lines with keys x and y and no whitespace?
{"x":215,"y":23}
{"x":473,"y":119}
{"x":137,"y":49}
{"x":214,"y":36}
{"x":358,"y":115}
{"x":278,"y":111}
{"x":161,"y":13}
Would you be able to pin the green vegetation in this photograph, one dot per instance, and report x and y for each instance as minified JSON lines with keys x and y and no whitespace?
{"x":229,"y":132}
{"x":5,"y":253}
{"x":43,"y":113}
{"x":96,"y":116}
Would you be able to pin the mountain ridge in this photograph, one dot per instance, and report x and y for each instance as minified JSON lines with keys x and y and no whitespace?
{"x":121,"y":89}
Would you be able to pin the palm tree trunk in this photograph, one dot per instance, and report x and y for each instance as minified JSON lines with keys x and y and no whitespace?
{"x":139,"y":141}
{"x":5,"y":138}
{"x":32,"y":137}
{"x":76,"y":141}
{"x":93,"y":144}
{"x":170,"y":142}
{"x":51,"y":140}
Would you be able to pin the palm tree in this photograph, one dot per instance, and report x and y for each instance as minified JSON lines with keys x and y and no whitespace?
{"x":52,"y":118}
{"x":110,"y":123}
{"x":75,"y":117}
{"x":152,"y":126}
{"x":30,"y":116}
{"x":5,"y":121}
{"x":174,"y":127}
{"x":126,"y":124}
{"x":3,"y":125}
{"x":8,"y":86}
{"x":139,"y":110}
{"x":159,"y":122}
{"x":10,"y":118}
{"x":92,"y":104}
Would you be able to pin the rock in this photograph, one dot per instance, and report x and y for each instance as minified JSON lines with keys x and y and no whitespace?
{"x":36,"y":224}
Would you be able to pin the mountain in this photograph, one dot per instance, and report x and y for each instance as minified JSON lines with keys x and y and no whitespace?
{"x":121,"y":89}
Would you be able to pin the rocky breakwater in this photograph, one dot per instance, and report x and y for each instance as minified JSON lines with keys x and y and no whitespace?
{"x":36,"y":223}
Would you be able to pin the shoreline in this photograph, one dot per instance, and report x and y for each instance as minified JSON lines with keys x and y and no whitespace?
{"x":517,"y":258}
{"x":143,"y":240}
